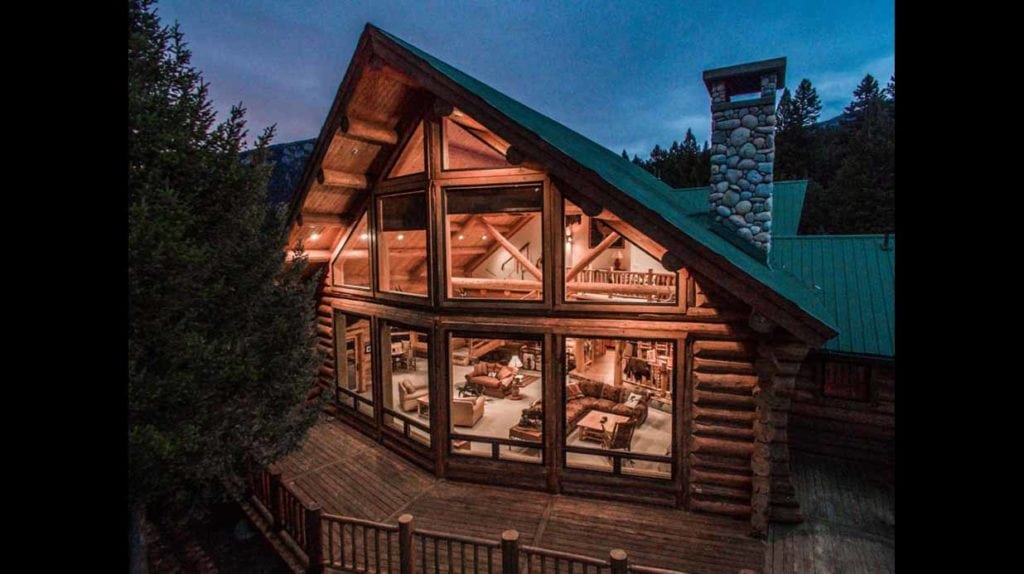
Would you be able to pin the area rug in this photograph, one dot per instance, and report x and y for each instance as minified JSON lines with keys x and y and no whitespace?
{"x":529,"y":380}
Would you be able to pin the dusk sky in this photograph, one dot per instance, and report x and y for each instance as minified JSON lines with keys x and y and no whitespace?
{"x":625,"y":74}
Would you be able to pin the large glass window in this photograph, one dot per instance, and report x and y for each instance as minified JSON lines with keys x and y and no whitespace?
{"x":470,"y":146}
{"x":602,"y":265}
{"x":353,"y":352}
{"x":406,"y":389}
{"x":351,"y":267}
{"x":497,"y":393}
{"x":412,"y":159}
{"x":403,"y":243}
{"x":494,"y":248}
{"x":618,"y":405}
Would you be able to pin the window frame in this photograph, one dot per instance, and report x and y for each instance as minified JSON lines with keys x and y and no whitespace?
{"x":404,"y":435}
{"x":380,"y":195}
{"x":372,"y":338}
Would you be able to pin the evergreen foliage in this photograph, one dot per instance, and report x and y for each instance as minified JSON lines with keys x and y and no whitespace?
{"x":221,"y":332}
{"x":849,"y":164}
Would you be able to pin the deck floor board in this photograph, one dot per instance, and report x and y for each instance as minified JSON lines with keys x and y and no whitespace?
{"x":849,"y":523}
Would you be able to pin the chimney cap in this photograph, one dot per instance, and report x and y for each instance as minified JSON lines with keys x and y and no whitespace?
{"x":746,"y":78}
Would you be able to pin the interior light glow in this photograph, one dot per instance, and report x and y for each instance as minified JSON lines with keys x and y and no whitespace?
{"x":400,"y":237}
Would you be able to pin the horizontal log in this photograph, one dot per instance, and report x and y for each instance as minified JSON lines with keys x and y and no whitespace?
{"x":623,"y":288}
{"x":730,"y":349}
{"x":842,"y":414}
{"x":727,"y":415}
{"x":721,"y":463}
{"x":367,"y":131}
{"x":705,"y":365}
{"x":725,"y":382}
{"x":495,"y":284}
{"x":730,"y":399}
{"x":341,"y":179}
{"x":719,"y":507}
{"x":727,"y":493}
{"x":723,"y":431}
{"x":723,"y":478}
{"x":409,"y":252}
{"x":720,"y":446}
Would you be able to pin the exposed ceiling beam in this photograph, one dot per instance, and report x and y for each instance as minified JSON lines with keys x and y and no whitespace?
{"x":341,"y":179}
{"x":367,"y":131}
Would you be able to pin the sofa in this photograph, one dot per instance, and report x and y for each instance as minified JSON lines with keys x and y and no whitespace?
{"x":496,"y":386}
{"x":583,"y":396}
{"x":467,"y":411}
{"x":409,"y":391}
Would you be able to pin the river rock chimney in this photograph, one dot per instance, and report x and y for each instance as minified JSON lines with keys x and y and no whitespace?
{"x":743,"y":150}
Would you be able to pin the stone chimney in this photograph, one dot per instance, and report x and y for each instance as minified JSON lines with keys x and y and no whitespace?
{"x":743,"y":150}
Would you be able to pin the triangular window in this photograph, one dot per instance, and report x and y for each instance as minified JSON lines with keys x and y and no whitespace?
{"x":467,"y":148}
{"x":412,"y":159}
{"x":351,"y":267}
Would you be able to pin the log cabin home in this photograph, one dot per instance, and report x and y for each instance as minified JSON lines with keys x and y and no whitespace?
{"x":504,"y":301}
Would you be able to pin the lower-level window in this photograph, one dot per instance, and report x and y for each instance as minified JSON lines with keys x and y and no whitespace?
{"x":353,"y":353}
{"x":619,"y":405}
{"x":406,"y":389}
{"x":496,"y":397}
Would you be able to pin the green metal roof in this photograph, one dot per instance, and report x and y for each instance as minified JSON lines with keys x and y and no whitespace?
{"x":856,"y":279}
{"x":635,"y":182}
{"x":787,"y":204}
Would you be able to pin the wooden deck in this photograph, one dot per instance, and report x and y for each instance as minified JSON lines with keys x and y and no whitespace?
{"x":849,"y":527}
{"x":850,"y":520}
{"x":349,"y":474}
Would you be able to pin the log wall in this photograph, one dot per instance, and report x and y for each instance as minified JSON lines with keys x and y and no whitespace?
{"x":857,"y":430}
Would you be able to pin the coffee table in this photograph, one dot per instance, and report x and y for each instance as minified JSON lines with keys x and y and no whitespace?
{"x":590,"y":424}
{"x":524,"y":433}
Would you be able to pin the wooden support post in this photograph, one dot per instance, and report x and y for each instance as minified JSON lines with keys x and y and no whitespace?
{"x":314,"y":540}
{"x":619,"y":561}
{"x":275,"y":501}
{"x":513,"y":251}
{"x":405,"y":550}
{"x":510,"y":552}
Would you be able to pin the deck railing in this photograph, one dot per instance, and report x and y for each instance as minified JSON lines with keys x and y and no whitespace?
{"x":341,"y":543}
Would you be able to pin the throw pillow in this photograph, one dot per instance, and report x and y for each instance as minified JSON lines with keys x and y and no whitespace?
{"x":504,"y":373}
{"x":633,"y":400}
{"x":406,"y":385}
{"x":573,"y":391}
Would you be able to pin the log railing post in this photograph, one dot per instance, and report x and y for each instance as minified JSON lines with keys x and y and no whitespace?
{"x":405,"y":550}
{"x":314,"y":539}
{"x":276,"y":520}
{"x":619,"y":561}
{"x":510,"y":552}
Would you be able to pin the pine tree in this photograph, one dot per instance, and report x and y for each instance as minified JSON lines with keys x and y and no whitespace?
{"x":625,"y":155}
{"x":221,"y":332}
{"x":806,"y":105}
{"x":783,"y":112}
{"x":866,"y":95}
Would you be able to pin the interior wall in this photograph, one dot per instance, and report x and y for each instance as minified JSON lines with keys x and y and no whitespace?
{"x":491,"y":267}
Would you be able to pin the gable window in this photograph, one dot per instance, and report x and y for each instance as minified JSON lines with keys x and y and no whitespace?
{"x":412,"y":160}
{"x":494,"y":248}
{"x":603,"y":264}
{"x":466,"y":147}
{"x":841,"y":380}
{"x":403,"y":243}
{"x":351,"y":267}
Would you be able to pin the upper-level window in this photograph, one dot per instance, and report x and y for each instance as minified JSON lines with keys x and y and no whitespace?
{"x":463,"y":146}
{"x":494,"y":246}
{"x":846,"y":380}
{"x":412,"y":159}
{"x":402,"y":243}
{"x":351,"y":267}
{"x":603,"y":265}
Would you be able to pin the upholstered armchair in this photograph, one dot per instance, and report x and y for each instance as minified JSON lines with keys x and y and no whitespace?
{"x":467,"y":411}
{"x":409,"y":391}
{"x":494,"y":378}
